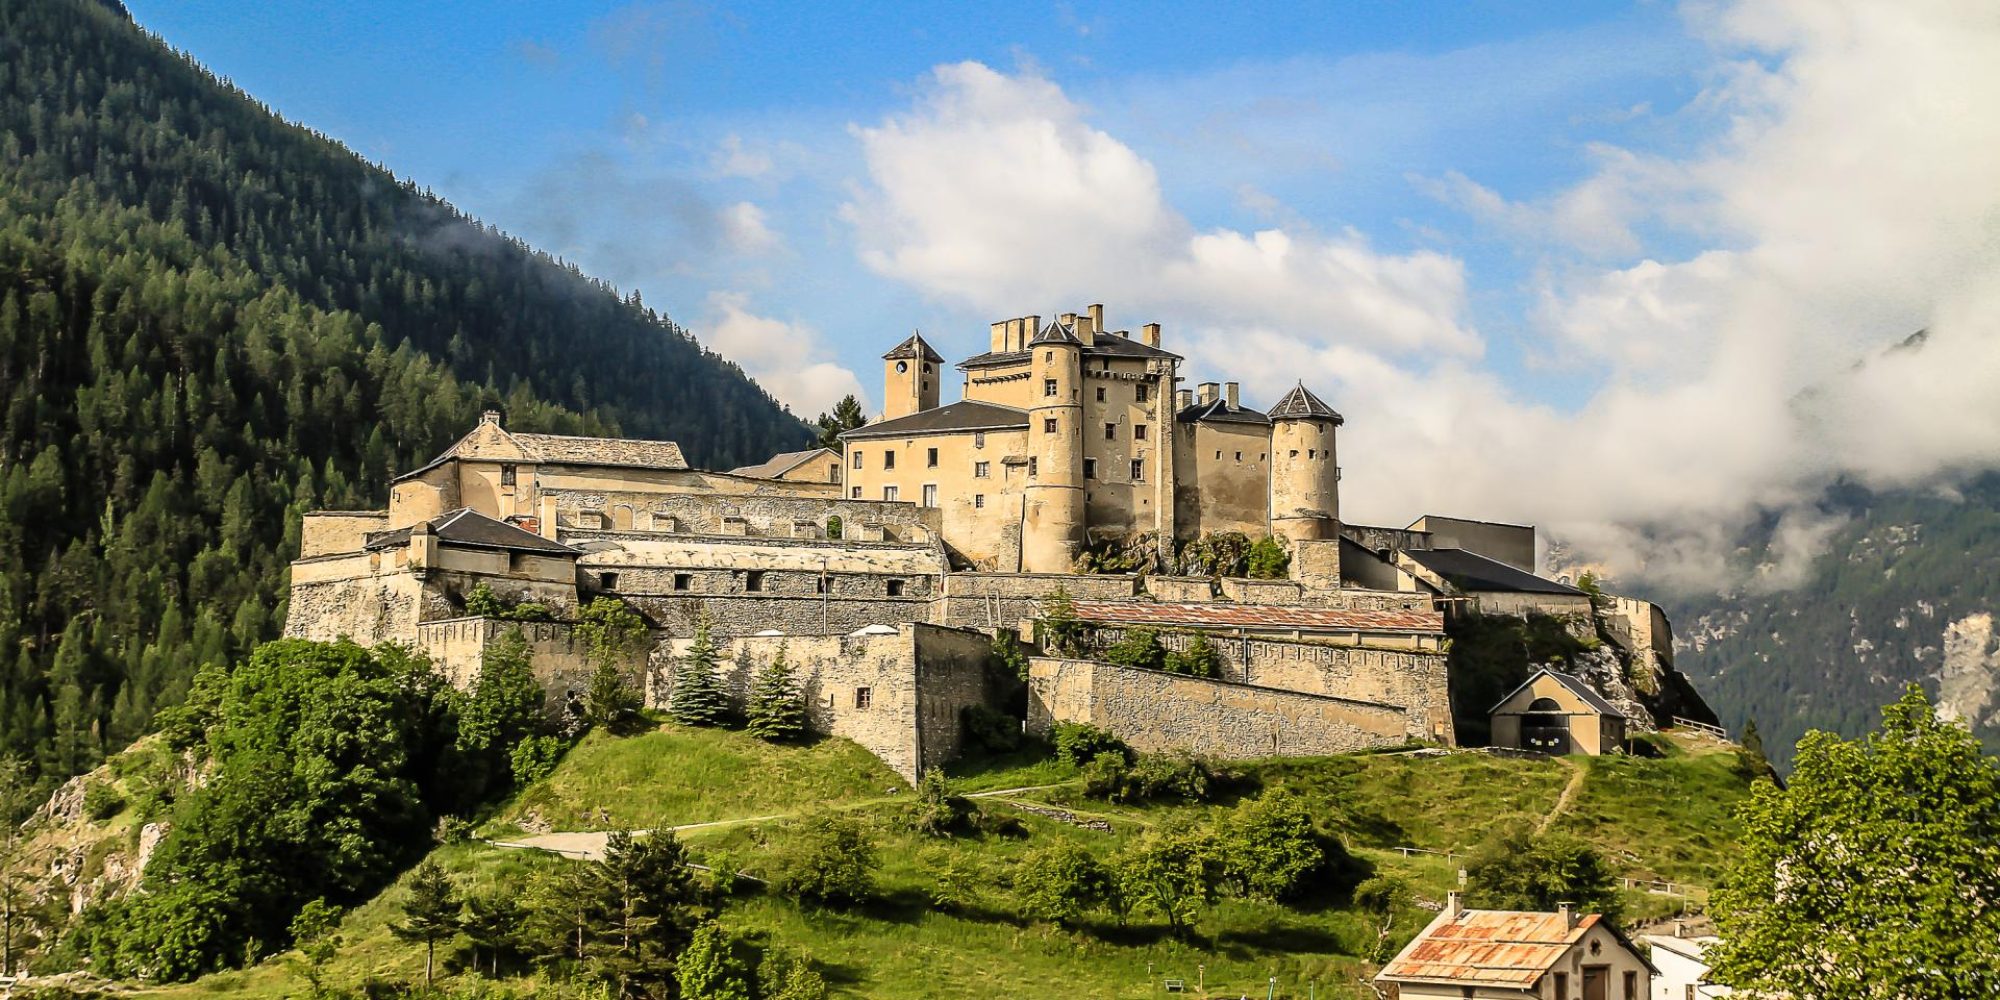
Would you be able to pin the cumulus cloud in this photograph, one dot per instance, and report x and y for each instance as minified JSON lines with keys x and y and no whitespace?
{"x":789,"y":360}
{"x":1713,"y":302}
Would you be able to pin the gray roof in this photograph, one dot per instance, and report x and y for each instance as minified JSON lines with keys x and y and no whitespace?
{"x":562,"y":449}
{"x":964,"y":415}
{"x":1103,"y":345}
{"x":1218,"y":410}
{"x":469,"y":528}
{"x":1301,"y":404}
{"x":1472,"y":572}
{"x":1057,"y":332}
{"x":1576,"y":686}
{"x":779,"y":464}
{"x":915,"y":347}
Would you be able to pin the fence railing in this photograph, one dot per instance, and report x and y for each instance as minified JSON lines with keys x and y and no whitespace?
{"x":1716,"y":731}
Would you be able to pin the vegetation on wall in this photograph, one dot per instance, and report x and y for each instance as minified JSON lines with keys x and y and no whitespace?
{"x":1491,"y":655}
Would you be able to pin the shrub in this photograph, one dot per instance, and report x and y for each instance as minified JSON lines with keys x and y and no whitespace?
{"x":1521,"y":870}
{"x":831,"y":862}
{"x":1008,"y":656}
{"x":1177,"y":774}
{"x":990,"y":730}
{"x":938,"y":812}
{"x":1268,"y":560}
{"x":1199,"y":659}
{"x":1058,"y":629}
{"x":101,"y":801}
{"x":482,"y":602}
{"x":787,"y":975}
{"x":1270,"y":847}
{"x":1079,"y":743}
{"x":1172,"y":872}
{"x":451,"y":830}
{"x":1140,"y":647}
{"x":535,"y":758}
{"x":708,"y":969}
{"x":1061,"y":882}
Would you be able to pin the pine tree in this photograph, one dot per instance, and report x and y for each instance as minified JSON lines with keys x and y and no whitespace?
{"x":430,"y":913}
{"x":698,"y":698}
{"x":708,"y":969}
{"x":777,"y":706}
{"x":644,"y":911}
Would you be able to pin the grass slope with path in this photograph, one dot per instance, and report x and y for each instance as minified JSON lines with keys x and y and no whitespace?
{"x":1668,"y":817}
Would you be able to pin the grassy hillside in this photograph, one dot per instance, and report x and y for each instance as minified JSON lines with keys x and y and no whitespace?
{"x":1667,"y":817}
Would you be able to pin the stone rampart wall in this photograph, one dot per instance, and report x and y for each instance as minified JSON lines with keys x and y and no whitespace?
{"x":1155,"y":711}
{"x":1004,"y":600}
{"x":794,"y":615}
{"x":776,"y":515}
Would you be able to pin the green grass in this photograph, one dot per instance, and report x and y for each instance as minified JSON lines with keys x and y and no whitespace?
{"x":1672,"y":819}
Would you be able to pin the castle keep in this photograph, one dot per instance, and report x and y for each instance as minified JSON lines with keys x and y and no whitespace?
{"x":883,"y":570}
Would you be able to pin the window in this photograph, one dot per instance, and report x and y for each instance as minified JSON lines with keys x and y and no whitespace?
{"x":1138,"y":470}
{"x":1110,"y":432}
{"x":1048,"y":425}
{"x":1218,"y":456}
{"x":979,"y":439}
{"x":1562,"y":985}
{"x":506,"y":475}
{"x":1294,"y":454}
{"x":888,"y":460}
{"x":607,"y":581}
{"x":1090,"y":468}
{"x":1138,"y":432}
{"x":833,"y":472}
{"x":857,"y":460}
{"x":902,"y":367}
{"x":1632,"y":986}
{"x":753,"y":581}
{"x":895,"y":588}
{"x":1468,"y":991}
{"x":1139,"y":393}
{"x":1048,"y":387}
{"x":930,"y":494}
{"x":683,"y":581}
{"x":863,"y":697}
{"x":982,"y":470}
{"x":979,"y":501}
{"x":1104,"y":364}
{"x":888,"y":493}
{"x":855,"y":492}
{"x":1100,"y":394}
{"x":1310,"y":453}
{"x":819,"y":584}
{"x":1239,"y":456}
{"x":1031,"y":466}
{"x":930,"y":458}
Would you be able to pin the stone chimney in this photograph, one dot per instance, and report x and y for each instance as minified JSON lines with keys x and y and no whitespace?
{"x":1568,"y":913}
{"x":1183,"y":398}
{"x":999,"y":336}
{"x":1149,"y":335}
{"x":1205,"y":392}
{"x":490,"y":417}
{"x":1096,"y":311}
{"x":1030,"y":325}
{"x":1454,"y":903}
{"x":1229,"y":393}
{"x":1087,"y":329}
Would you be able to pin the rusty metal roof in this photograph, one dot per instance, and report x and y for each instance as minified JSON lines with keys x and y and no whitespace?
{"x":1257,"y":616}
{"x":1488,"y":948}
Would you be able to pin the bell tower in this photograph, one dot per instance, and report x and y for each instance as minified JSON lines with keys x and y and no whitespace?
{"x":909,"y":378}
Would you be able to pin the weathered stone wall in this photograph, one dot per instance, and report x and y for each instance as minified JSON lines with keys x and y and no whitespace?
{"x":804,"y":615}
{"x":760,"y":515}
{"x":337,"y":532}
{"x":1003,"y":600}
{"x":1521,"y":605}
{"x":356,"y":596}
{"x":1181,"y":589}
{"x":1377,"y":538}
{"x":562,"y":664}
{"x":1246,"y":591}
{"x":1155,"y":711}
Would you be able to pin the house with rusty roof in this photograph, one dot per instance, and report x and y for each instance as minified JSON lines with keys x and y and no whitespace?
{"x":1513,"y":955}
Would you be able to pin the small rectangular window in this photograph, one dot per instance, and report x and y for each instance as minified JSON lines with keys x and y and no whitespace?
{"x":753,"y":581}
{"x":982,"y":470}
{"x":1048,"y":425}
{"x":930,"y":494}
{"x":1100,"y":394}
{"x":683,"y":581}
{"x":857,"y":460}
{"x":1090,"y":468}
{"x":1104,"y":364}
{"x":1295,"y":453}
{"x":1138,"y":432}
{"x":888,"y":493}
{"x":819,"y":585}
{"x":1110,"y":432}
{"x":888,"y":460}
{"x":895,"y":588}
{"x":1031,"y":466}
{"x":506,"y":475}
{"x":607,"y":581}
{"x":833,"y":473}
{"x":1632,"y":986}
{"x":1139,"y":393}
{"x":855,"y":492}
{"x":979,"y":439}
{"x":1310,"y":453}
{"x":930,"y":458}
{"x":1239,"y":456}
{"x":863,"y":697}
{"x":979,"y":501}
{"x":1048,"y":387}
{"x":1138,"y":470}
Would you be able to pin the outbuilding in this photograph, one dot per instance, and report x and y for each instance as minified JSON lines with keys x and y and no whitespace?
{"x":1557,"y":713}
{"x":1493,"y":954}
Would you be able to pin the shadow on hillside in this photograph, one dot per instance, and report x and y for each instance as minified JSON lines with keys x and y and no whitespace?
{"x":1243,"y":945}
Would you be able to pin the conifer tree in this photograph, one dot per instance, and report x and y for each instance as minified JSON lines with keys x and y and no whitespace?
{"x":430,"y":913}
{"x":708,"y":969}
{"x":777,"y":707}
{"x":644,"y":911}
{"x":698,"y":698}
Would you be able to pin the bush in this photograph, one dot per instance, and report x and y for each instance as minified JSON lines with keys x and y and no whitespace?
{"x":938,"y":812}
{"x":1199,"y":659}
{"x":1270,"y":848}
{"x":1080,"y":743}
{"x":1140,"y":647}
{"x":831,"y":862}
{"x":1008,"y":656}
{"x":989,"y":730}
{"x":1521,"y":870}
{"x":1179,"y":775}
{"x":1061,"y":882}
{"x":101,"y":801}
{"x":535,"y":758}
{"x":1268,"y":560}
{"x":1058,"y":629}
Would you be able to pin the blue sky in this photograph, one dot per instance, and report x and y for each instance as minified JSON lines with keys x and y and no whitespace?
{"x":1600,"y":267}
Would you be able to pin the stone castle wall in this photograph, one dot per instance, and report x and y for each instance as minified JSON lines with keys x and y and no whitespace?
{"x":1155,"y":711}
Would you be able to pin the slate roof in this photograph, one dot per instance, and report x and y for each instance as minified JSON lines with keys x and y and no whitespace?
{"x":563,"y":449}
{"x":1503,"y":948}
{"x":1218,"y":410}
{"x":964,"y":415}
{"x":1301,"y":404}
{"x":468,"y":528}
{"x":1259,"y":616}
{"x":779,"y":464}
{"x":915,"y":347}
{"x":1057,"y":332}
{"x":1103,"y":345}
{"x":1472,"y":572}
{"x":1575,"y":685}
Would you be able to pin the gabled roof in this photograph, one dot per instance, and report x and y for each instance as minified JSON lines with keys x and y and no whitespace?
{"x":915,"y":347}
{"x":1574,"y":684}
{"x":1501,"y":948}
{"x":468,"y":528}
{"x":1471,"y":572}
{"x":1259,"y":616}
{"x":778,"y":465}
{"x":1301,"y":404}
{"x":964,"y":415}
{"x":1218,"y":410}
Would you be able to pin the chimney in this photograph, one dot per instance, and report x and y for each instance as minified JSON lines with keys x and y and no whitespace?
{"x":490,"y":417}
{"x":1183,"y":398}
{"x":1150,"y":335}
{"x":1568,"y":913}
{"x":1096,"y":311}
{"x":999,"y":339}
{"x":1069,"y":319}
{"x":1229,"y":393}
{"x":1205,"y":392}
{"x":1030,"y":325}
{"x":1454,"y":903}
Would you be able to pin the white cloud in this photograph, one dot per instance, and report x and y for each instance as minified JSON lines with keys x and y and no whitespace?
{"x":744,"y":228}
{"x":787,"y":359}
{"x":732,"y":158}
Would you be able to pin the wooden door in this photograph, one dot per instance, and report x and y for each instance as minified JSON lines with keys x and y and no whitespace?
{"x":1596,"y":982}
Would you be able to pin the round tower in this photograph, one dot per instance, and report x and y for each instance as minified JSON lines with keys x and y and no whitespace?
{"x":1305,"y":475}
{"x":1052,"y":523}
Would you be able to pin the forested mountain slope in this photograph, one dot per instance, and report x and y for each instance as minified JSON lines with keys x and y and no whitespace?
{"x":211,"y":320}
{"x":1906,"y":590}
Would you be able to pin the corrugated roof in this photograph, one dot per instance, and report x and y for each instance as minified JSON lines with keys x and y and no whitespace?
{"x":566,"y":450}
{"x":1257,"y":616}
{"x":1471,"y":572}
{"x":964,"y":415}
{"x":471,"y":529}
{"x":1488,"y":948}
{"x":1575,"y":685}
{"x":1301,"y":404}
{"x":778,"y":465}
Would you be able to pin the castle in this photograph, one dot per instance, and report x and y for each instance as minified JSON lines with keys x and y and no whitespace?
{"x":882,"y":572}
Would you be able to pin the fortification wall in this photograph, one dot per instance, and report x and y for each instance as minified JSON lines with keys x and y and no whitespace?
{"x":366,"y":596}
{"x":562,"y":664}
{"x":795,"y":615}
{"x":336,"y":532}
{"x":1155,"y":711}
{"x":767,"y":515}
{"x":1521,"y":605}
{"x":1003,"y":600}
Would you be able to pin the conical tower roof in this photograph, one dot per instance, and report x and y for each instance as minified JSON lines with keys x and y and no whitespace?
{"x":915,"y":347}
{"x":1301,"y":404}
{"x":1057,"y":332}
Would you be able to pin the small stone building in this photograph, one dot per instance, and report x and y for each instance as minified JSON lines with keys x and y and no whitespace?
{"x":1493,"y":954}
{"x":1558,"y":713}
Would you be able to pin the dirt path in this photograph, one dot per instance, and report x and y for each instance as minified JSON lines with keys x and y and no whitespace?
{"x":589,"y":845}
{"x":1568,"y":794}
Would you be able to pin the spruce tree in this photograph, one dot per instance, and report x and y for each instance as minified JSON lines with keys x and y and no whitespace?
{"x":643,"y":912}
{"x":698,"y":697}
{"x":430,"y":913}
{"x":777,"y":707}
